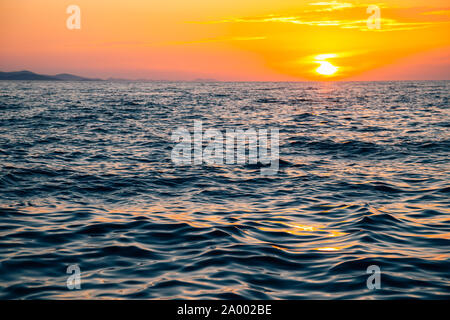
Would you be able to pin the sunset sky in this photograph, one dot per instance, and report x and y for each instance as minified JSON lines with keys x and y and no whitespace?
{"x":255,"y":40}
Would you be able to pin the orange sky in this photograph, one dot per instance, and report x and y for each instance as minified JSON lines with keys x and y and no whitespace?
{"x":261,"y":40}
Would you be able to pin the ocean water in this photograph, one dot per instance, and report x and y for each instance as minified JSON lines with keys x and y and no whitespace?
{"x":87,"y":179}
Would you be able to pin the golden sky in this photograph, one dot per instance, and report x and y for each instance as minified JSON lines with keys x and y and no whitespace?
{"x":260,"y":40}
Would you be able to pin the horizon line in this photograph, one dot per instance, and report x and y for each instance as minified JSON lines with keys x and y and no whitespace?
{"x":118,"y":79}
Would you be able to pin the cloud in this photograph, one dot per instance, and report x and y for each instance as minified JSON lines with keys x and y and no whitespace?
{"x":219,"y":39}
{"x":438,"y":13}
{"x":333,"y":5}
{"x":345,"y":15}
{"x":387,"y":24}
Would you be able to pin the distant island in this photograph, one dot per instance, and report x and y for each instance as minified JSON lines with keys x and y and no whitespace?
{"x":32,"y":76}
{"x":28,"y":75}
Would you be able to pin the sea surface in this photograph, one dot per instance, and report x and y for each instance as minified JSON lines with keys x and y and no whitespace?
{"x":87,"y":179}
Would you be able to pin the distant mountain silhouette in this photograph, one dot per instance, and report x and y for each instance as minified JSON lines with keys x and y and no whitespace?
{"x":28,"y":75}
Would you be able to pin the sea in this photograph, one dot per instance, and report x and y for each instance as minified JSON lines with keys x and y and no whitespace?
{"x":92,"y":205}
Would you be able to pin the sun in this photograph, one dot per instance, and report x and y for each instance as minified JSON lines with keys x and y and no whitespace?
{"x":326,"y":68}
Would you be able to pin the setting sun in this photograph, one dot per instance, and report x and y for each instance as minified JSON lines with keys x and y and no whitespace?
{"x":326,"y":68}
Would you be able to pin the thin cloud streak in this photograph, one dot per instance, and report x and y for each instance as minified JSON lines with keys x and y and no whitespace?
{"x":216,"y":40}
{"x":332,"y":6}
{"x":387,"y":24}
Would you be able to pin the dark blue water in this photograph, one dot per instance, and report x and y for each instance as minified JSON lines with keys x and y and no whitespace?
{"x":86,"y":178}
